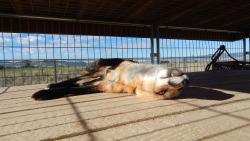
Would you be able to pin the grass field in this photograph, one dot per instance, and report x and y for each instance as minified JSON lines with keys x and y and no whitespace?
{"x":29,"y":76}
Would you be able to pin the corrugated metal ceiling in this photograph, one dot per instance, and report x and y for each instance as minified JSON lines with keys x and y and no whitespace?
{"x":232,"y":15}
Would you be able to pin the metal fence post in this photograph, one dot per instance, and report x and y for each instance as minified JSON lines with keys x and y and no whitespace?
{"x":244,"y":48}
{"x":55,"y":73}
{"x":152,"y":43}
{"x":157,"y":43}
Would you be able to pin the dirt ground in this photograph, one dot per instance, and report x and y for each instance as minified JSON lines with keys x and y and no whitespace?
{"x":215,"y":106}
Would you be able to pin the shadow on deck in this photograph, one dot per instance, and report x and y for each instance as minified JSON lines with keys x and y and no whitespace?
{"x":216,"y":106}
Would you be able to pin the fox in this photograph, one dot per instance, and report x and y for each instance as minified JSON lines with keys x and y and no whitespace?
{"x":116,"y":75}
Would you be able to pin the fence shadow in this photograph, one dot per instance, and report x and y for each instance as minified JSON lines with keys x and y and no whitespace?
{"x":81,"y":120}
{"x":203,"y":93}
{"x":231,"y":80}
{"x":242,"y":87}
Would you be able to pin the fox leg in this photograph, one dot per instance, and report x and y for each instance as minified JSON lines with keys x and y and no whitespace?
{"x":113,"y":62}
{"x":67,"y":83}
{"x":64,"y":92}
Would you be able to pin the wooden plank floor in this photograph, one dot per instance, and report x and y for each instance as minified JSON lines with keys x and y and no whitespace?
{"x":216,"y":106}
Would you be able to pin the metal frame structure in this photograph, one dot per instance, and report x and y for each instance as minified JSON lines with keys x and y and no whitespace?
{"x":46,"y":58}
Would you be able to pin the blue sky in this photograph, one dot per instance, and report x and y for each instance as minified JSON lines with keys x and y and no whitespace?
{"x":32,"y":46}
{"x":46,"y":46}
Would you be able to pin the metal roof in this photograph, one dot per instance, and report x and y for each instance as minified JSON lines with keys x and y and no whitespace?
{"x":216,"y":15}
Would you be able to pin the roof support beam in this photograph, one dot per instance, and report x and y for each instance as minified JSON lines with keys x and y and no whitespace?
{"x":191,"y":9}
{"x":97,"y":10}
{"x":138,"y":8}
{"x":17,"y":6}
{"x":66,"y":8}
{"x":228,"y":12}
{"x":83,"y":5}
{"x":120,"y":3}
{"x":235,"y":21}
{"x":128,"y":11}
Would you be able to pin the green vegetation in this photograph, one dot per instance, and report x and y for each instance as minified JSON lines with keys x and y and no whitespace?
{"x":28,"y":76}
{"x":1,"y":67}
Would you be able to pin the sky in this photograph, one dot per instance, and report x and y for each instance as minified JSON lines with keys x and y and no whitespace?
{"x":16,"y":46}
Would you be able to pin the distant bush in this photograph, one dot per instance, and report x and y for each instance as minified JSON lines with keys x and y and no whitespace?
{"x":27,"y":64}
{"x":1,"y":67}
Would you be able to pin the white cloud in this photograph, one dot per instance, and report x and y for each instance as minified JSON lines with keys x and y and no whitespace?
{"x":64,"y":45}
{"x":76,"y":40}
{"x":5,"y":40}
{"x":9,"y":34}
{"x":29,"y":39}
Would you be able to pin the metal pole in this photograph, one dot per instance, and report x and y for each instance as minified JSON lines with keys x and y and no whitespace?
{"x":4,"y":61}
{"x":157,"y":43}
{"x":244,"y":48}
{"x":152,"y":43}
{"x":55,"y":73}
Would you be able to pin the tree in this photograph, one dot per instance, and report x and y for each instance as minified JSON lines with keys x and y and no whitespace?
{"x":27,"y":64}
{"x":1,"y":67}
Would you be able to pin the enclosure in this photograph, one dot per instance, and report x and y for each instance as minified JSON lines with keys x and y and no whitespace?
{"x":45,"y":41}
{"x":50,"y":45}
{"x":31,"y":57}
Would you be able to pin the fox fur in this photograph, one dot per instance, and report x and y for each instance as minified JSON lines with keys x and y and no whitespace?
{"x":120,"y":76}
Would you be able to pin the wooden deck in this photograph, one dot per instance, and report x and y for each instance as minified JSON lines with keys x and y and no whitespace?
{"x":216,"y":106}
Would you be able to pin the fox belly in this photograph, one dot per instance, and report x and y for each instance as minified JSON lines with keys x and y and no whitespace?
{"x":117,"y":80}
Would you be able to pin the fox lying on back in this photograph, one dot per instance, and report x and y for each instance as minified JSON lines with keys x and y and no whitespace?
{"x":120,"y":76}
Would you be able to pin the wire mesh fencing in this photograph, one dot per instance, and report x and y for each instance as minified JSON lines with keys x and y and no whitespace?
{"x":194,"y":55}
{"x":35,"y":57}
{"x":32,"y":59}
